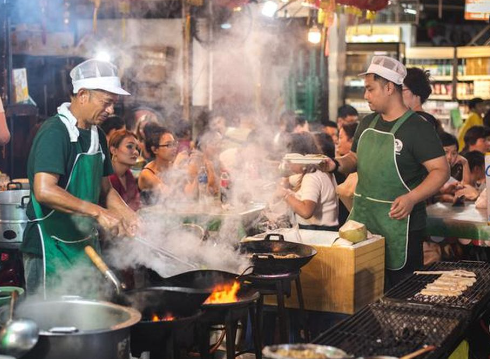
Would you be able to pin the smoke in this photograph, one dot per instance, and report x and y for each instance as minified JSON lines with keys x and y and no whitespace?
{"x":171,"y":248}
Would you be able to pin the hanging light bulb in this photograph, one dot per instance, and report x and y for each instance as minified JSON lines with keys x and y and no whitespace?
{"x":314,"y":34}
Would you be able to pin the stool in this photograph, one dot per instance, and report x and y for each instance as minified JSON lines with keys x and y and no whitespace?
{"x":280,"y":285}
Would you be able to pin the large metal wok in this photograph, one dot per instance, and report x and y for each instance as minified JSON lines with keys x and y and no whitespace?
{"x":271,"y":256}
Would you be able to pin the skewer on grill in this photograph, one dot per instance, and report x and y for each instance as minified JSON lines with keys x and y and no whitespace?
{"x":454,"y":273}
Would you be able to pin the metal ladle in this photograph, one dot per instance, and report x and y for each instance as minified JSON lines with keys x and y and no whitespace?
{"x":18,"y":336}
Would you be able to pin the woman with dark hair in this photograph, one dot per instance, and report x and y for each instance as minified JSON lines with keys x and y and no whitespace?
{"x":416,"y":90}
{"x":346,"y":137}
{"x":123,"y":147}
{"x":112,"y":124}
{"x":160,"y":143}
{"x":309,"y":192}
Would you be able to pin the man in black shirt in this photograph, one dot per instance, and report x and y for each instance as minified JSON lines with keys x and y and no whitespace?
{"x":400,"y":162}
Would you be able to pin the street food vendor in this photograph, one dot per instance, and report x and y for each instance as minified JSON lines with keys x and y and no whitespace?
{"x":68,"y":169}
{"x":400,"y":162}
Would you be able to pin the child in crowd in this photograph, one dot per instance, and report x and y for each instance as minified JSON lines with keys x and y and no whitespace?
{"x":460,"y":171}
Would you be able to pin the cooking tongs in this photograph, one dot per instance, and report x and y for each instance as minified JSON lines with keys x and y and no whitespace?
{"x":165,"y":253}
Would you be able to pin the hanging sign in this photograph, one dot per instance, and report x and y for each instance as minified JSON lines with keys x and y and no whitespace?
{"x":477,"y":10}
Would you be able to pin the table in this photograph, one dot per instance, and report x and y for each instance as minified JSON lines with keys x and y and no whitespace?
{"x":467,"y":221}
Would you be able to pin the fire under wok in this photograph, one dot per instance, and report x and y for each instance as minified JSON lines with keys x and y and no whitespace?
{"x":277,"y":256}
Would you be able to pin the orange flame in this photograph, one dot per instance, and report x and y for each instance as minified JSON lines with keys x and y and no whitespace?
{"x":166,"y":318}
{"x":224,"y":294}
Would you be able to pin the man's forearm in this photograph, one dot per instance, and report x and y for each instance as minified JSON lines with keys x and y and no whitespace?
{"x":430,"y":185}
{"x":347,"y":163}
{"x":57,"y":198}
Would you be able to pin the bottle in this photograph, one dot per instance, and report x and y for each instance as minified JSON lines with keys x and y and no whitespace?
{"x":224,"y":187}
{"x":202,"y":179}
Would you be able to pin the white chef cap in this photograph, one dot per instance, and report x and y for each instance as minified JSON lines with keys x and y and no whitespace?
{"x":96,"y":75}
{"x":388,"y":68}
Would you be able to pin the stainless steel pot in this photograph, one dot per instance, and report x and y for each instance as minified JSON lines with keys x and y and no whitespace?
{"x":13,"y":217}
{"x":80,"y":329}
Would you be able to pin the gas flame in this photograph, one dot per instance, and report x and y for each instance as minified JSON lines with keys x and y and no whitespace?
{"x":225,"y":293}
{"x":166,"y":318}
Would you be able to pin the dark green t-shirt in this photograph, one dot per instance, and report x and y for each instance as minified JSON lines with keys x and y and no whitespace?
{"x":52,"y":152}
{"x":419,"y":143}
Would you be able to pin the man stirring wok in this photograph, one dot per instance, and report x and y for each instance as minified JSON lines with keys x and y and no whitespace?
{"x":400,"y":162}
{"x":68,"y":169}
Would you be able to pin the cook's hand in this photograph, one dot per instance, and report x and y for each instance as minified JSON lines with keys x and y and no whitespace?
{"x":401,"y":207}
{"x":110,"y":221}
{"x":131,"y":225}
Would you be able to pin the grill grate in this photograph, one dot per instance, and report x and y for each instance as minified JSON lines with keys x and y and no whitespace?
{"x":473,"y":297}
{"x":394,"y":329}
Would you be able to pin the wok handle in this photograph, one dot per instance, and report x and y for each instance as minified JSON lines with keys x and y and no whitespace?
{"x":419,"y":352}
{"x":96,"y":259}
{"x":100,"y":264}
{"x":280,"y":237}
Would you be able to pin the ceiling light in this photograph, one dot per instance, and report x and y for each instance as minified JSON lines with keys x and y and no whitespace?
{"x":314,"y":35}
{"x":269,"y":9}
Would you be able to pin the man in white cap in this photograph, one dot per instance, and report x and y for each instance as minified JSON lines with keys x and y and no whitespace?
{"x":68,"y":169}
{"x":400,"y":162}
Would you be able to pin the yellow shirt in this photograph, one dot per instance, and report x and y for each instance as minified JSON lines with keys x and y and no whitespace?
{"x":474,"y":119}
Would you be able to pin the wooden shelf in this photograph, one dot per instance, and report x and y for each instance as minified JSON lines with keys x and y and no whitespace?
{"x":472,"y":51}
{"x":440,"y":97}
{"x":429,"y":53}
{"x":473,"y":77}
{"x":441,"y":78}
{"x":469,"y":97}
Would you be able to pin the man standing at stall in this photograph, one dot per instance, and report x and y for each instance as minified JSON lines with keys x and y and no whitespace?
{"x":400,"y":162}
{"x":68,"y":169}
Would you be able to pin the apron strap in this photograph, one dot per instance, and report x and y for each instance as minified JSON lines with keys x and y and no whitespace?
{"x":398,"y":123}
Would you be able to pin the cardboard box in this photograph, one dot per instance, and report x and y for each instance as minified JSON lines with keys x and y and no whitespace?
{"x":340,"y":279}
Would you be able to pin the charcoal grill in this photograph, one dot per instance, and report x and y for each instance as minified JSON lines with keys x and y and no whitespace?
{"x":396,"y":329}
{"x":473,"y":299}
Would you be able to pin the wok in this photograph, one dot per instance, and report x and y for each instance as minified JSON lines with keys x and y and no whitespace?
{"x":205,"y":279}
{"x":265,"y":263}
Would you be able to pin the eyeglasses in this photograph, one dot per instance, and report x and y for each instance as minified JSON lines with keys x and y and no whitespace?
{"x":170,"y":144}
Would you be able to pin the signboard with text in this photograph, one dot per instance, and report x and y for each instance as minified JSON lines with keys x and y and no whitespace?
{"x":477,"y":10}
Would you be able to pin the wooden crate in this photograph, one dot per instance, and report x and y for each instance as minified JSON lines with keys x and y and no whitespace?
{"x":341,"y":279}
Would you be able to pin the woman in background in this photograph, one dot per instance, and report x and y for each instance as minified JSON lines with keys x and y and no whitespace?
{"x":154,"y":181}
{"x":310,"y":192}
{"x":123,"y":147}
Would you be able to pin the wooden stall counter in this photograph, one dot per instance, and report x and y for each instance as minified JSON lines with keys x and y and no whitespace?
{"x":339,"y":279}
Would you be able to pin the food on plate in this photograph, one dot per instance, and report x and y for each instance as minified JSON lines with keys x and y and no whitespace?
{"x":353,"y":231}
{"x":449,"y":284}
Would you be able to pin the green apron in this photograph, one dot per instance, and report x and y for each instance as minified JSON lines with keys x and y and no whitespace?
{"x":64,"y":236}
{"x":379,"y":185}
